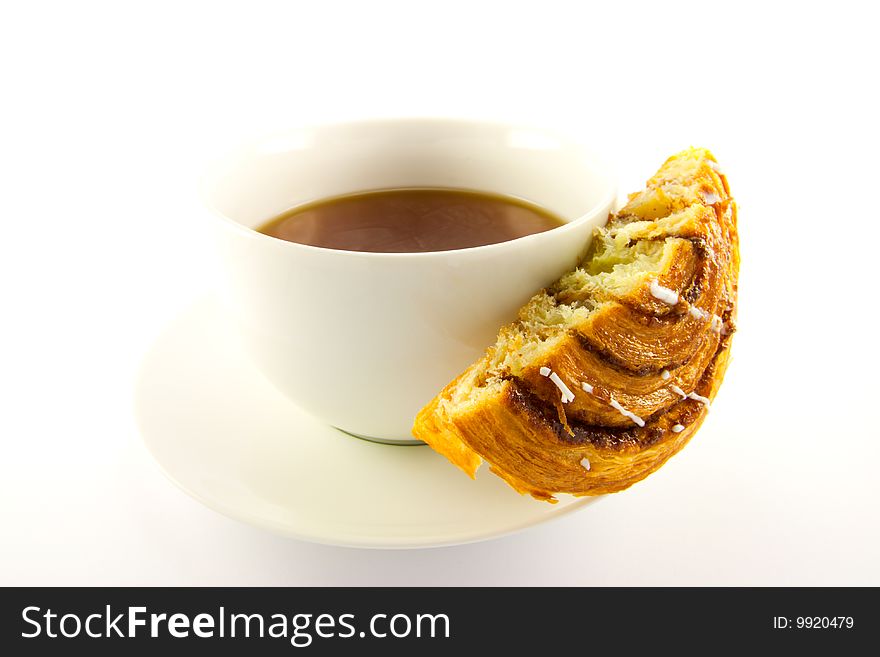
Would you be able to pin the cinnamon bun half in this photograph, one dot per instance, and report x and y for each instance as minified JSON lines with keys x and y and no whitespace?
{"x":609,"y":371}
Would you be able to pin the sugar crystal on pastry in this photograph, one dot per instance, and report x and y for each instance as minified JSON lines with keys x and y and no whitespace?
{"x":703,"y":400}
{"x":697,"y":313}
{"x":567,"y":394}
{"x":664,"y":294}
{"x":620,"y":409}
{"x":678,"y":391}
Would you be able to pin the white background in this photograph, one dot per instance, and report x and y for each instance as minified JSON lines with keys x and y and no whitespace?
{"x":108,"y":109}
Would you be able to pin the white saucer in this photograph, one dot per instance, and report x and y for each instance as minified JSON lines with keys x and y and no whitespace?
{"x":223,"y":434}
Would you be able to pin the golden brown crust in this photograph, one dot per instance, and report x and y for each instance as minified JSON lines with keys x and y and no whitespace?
{"x":637,"y":351}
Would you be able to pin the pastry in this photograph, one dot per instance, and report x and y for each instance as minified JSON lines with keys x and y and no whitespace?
{"x":609,"y":371}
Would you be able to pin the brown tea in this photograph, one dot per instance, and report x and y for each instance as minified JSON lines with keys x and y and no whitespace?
{"x":410,"y":221}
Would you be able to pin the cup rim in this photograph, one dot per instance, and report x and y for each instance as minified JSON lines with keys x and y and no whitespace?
{"x":607,"y":199}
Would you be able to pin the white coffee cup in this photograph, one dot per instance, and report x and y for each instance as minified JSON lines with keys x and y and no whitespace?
{"x":364,"y":340}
